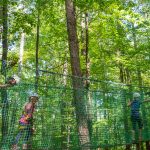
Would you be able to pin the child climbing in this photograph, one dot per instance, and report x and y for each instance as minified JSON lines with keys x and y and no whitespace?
{"x":135,"y":114}
{"x":26,"y":122}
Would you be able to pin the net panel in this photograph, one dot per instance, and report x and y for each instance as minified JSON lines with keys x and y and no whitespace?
{"x":105,"y":105}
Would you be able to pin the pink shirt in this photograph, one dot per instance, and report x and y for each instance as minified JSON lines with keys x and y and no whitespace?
{"x":27,"y":114}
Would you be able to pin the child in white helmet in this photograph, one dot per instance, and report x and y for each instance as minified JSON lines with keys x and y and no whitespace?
{"x":135,"y":114}
{"x":26,"y":122}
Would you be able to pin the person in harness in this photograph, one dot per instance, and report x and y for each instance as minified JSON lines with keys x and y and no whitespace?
{"x":26,"y":122}
{"x":136,"y":118}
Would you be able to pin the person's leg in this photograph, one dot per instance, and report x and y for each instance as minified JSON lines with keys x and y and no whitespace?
{"x":27,"y":136}
{"x":140,"y":125}
{"x":133,"y":135}
{"x":133,"y":120}
{"x":140,"y":134}
{"x":24,"y":146}
{"x":14,"y":147}
{"x":19,"y":135}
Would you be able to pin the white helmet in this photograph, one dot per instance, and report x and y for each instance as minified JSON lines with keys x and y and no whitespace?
{"x":136,"y":95}
{"x":33,"y":95}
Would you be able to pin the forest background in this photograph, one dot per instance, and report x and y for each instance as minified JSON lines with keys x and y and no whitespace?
{"x":104,"y":41}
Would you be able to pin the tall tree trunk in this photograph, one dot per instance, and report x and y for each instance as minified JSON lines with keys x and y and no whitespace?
{"x":4,"y":38}
{"x":37,"y":51}
{"x":80,"y":110}
{"x":21,"y":53}
{"x":135,"y":48}
{"x":86,"y":63}
{"x":128,"y":82}
{"x":1,"y":26}
{"x":4,"y":128}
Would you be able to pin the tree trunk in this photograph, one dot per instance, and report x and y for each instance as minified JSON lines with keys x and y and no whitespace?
{"x":21,"y":53}
{"x":86,"y":70}
{"x":4,"y":38}
{"x":80,"y":110}
{"x":147,"y":145}
{"x":1,"y":16}
{"x":5,"y":119}
{"x":37,"y":52}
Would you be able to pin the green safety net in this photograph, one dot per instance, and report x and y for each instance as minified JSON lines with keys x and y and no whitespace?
{"x":105,"y":104}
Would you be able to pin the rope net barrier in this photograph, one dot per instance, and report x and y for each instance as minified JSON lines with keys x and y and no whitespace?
{"x":56,"y":119}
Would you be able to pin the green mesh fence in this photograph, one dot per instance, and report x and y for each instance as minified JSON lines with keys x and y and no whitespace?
{"x":55,"y":118}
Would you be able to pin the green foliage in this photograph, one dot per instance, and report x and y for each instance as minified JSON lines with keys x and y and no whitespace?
{"x":2,"y":79}
{"x":12,"y":59}
{"x":118,"y":41}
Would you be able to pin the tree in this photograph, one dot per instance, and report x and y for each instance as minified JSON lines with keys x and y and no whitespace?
{"x":3,"y":70}
{"x":21,"y":53}
{"x":81,"y":116}
{"x":37,"y":45}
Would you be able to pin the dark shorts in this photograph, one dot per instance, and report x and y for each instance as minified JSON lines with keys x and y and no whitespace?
{"x":25,"y":131}
{"x":136,"y":120}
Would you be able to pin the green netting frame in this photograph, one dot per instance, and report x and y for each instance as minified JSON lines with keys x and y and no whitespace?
{"x":55,"y":120}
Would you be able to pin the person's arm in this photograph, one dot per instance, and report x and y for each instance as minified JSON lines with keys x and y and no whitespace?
{"x":147,"y":100}
{"x":9,"y":83}
{"x":24,"y":107}
{"x":129,"y":103}
{"x":5,"y":85}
